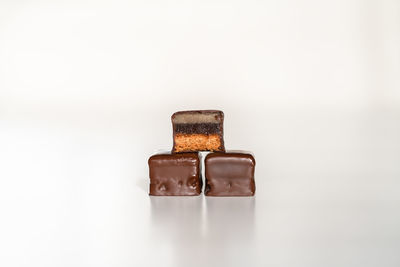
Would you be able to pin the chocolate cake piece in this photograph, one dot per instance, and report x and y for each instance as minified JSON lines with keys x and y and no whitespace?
{"x":198,"y":130}
{"x":229,"y":174}
{"x":175,"y":175}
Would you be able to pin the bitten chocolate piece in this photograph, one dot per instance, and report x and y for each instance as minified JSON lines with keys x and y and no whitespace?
{"x":229,"y":174}
{"x":198,"y":130}
{"x":175,"y":175}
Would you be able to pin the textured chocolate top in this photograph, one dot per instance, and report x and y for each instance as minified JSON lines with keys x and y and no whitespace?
{"x":174,"y":159}
{"x":198,"y":116}
{"x":231,"y":157}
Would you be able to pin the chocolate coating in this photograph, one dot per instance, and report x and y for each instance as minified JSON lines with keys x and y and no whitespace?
{"x":229,"y":174}
{"x":175,"y":175}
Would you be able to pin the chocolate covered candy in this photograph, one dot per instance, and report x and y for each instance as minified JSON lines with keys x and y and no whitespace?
{"x":198,"y":130}
{"x":175,"y":175}
{"x":229,"y":174}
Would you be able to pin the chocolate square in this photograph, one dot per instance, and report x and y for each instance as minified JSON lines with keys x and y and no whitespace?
{"x":198,"y":130}
{"x":175,"y":175}
{"x":229,"y":174}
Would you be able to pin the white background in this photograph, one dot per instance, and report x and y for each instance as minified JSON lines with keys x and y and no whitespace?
{"x":86,"y":93}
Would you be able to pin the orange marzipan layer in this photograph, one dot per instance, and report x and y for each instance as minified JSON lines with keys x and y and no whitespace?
{"x":193,"y":142}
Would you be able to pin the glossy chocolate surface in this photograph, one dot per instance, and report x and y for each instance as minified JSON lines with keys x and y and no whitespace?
{"x":175,"y":175}
{"x":229,"y":174}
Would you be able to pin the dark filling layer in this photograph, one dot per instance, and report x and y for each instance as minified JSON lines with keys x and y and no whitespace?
{"x":199,"y":128}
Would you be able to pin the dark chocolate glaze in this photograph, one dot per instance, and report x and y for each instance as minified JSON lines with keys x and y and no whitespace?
{"x":229,"y":174}
{"x":200,"y":128}
{"x":197,"y":128}
{"x":175,"y":175}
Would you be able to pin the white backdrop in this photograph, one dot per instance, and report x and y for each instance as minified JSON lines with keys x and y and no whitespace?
{"x":86,"y":93}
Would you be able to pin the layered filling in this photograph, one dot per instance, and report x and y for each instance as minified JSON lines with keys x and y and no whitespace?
{"x":197,"y":142}
{"x":197,"y":117}
{"x":198,"y":128}
{"x":198,"y":131}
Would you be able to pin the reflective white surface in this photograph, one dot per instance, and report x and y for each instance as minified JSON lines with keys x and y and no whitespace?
{"x":74,"y":193}
{"x":87,"y":88}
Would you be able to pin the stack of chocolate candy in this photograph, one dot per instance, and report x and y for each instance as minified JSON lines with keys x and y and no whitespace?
{"x":179,"y":173}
